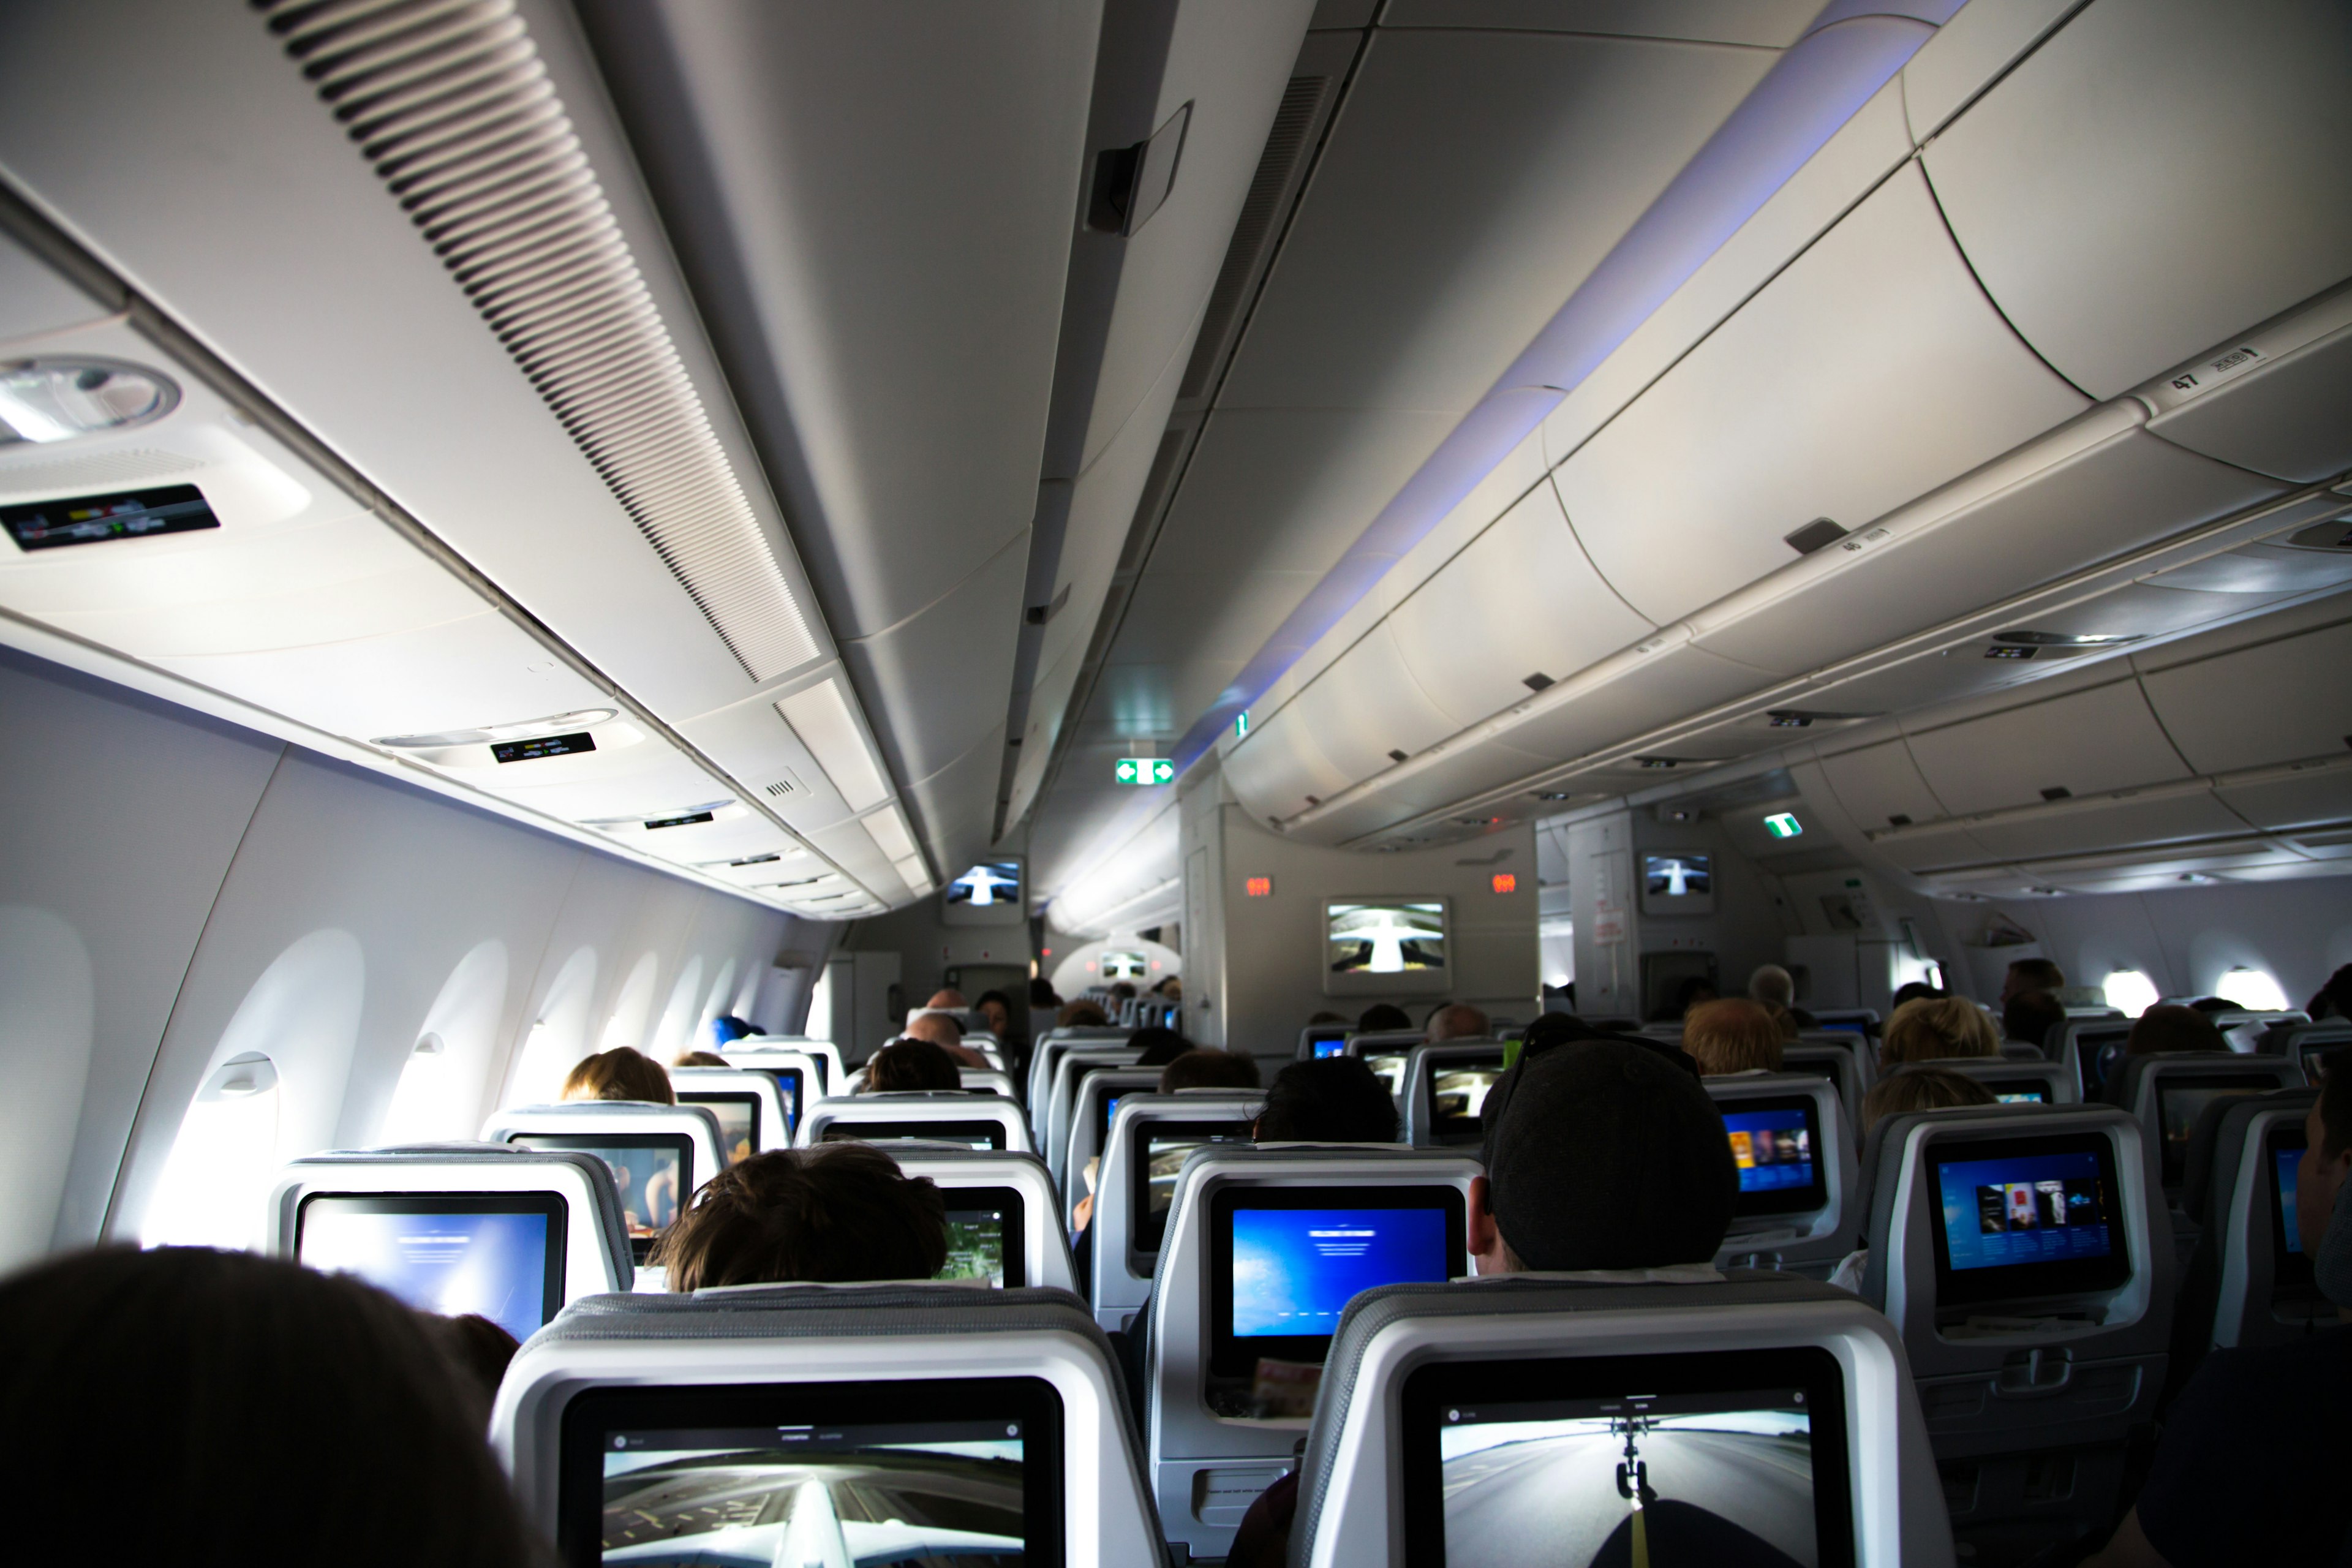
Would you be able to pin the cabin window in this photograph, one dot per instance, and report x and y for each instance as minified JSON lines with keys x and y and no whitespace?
{"x":421,"y":1103}
{"x":216,"y":1181}
{"x":2129,"y":992}
{"x":2251,"y":989}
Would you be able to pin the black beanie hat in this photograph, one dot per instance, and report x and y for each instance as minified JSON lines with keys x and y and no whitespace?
{"x":1604,"y":1154}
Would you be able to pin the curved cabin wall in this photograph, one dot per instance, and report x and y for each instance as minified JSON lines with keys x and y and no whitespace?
{"x":1914,"y":375}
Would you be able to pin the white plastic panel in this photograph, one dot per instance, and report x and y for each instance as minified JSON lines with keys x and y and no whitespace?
{"x":2306,"y":797}
{"x":1877,"y":783}
{"x":2274,"y":702}
{"x":1521,"y":600}
{"x":1277,"y":768}
{"x":2117,"y":824}
{"x":1669,"y":684}
{"x":35,"y":300}
{"x":2087,"y":742}
{"x":1867,"y":374}
{"x":2284,"y":417}
{"x":1768,"y":23}
{"x":957,"y":805}
{"x":943,"y":674}
{"x":2160,"y":174}
{"x":1366,"y":705}
{"x":1968,"y":52}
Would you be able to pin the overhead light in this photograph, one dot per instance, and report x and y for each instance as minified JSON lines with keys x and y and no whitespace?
{"x":2066,"y":640}
{"x":57,"y":399}
{"x":820,"y":716}
{"x":521,"y":729}
{"x":914,"y":873}
{"x":887,"y":828}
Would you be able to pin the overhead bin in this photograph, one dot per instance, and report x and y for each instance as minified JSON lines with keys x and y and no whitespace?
{"x":2085,"y":743}
{"x":1870,"y":372}
{"x":2205,"y":707}
{"x":1367,"y":712}
{"x":2272,"y":399}
{"x":2158,"y":175}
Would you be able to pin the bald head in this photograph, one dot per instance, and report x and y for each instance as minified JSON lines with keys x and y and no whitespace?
{"x":1459,"y":1022}
{"x":947,"y":1034}
{"x":947,"y":996}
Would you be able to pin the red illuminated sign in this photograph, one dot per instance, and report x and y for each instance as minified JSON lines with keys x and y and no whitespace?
{"x":1259,"y":887}
{"x":1506,"y":882}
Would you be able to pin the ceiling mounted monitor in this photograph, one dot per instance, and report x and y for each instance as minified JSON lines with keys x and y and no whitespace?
{"x":1386,"y":947}
{"x":991,"y":893}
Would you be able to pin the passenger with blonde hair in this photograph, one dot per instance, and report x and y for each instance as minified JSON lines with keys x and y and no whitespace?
{"x":620,"y":1074}
{"x":1732,"y":1035}
{"x":1929,"y":1029}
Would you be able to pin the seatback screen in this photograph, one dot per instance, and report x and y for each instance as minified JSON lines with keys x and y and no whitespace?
{"x":499,"y":1255}
{"x":2182,"y":1100}
{"x":1457,"y":1094}
{"x":1164,"y":1147}
{"x":1283,"y":1262}
{"x":2283,"y":1149}
{"x":653,"y":1171}
{"x":1334,"y":1044}
{"x":964,"y":1135}
{"x":1775,"y":1143}
{"x":916,"y":1472}
{"x":2027,"y":1217}
{"x":1720,"y":1457}
{"x":788,"y":1089}
{"x":985,"y":1225}
{"x":2021,"y":1094}
{"x":739,"y":1121}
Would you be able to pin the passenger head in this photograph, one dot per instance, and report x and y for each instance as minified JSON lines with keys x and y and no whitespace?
{"x":2032,"y":975}
{"x":1773,"y":986}
{"x":700,"y":1059}
{"x":1600,"y":1154}
{"x":2173,"y":1028}
{"x":905,"y":1065}
{"x":2327,"y":1160}
{"x":1208,"y":1070}
{"x":2030,"y":1016}
{"x":1383,"y":1018}
{"x":295,"y":1417}
{"x":936,"y":1028}
{"x":2333,"y":1000}
{"x":1159,"y":1046}
{"x":1732,"y":1035}
{"x":1123,"y":991}
{"x":1082,"y":1015}
{"x":996,"y":1008}
{"x":620,"y":1074}
{"x":1930,"y":1028}
{"x":1917,"y":991}
{"x":727,"y":1028}
{"x":1335,"y":1099}
{"x":836,"y":1213}
{"x":1693,"y":990}
{"x":478,"y":1348}
{"x":1457,"y":1021}
{"x":1783,"y":1020}
{"x":947,"y":996}
{"x":1042,"y":994}
{"x":1921,"y":1088}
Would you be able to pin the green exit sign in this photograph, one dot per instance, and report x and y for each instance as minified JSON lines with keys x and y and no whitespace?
{"x":1143,"y":771}
{"x":1783,"y":825}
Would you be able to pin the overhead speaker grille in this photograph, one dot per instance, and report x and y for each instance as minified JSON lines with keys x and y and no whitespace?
{"x":1262,"y":210}
{"x":451,"y":105}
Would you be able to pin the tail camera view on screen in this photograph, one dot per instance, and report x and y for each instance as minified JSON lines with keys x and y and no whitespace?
{"x":980,"y":1135}
{"x":975,"y":1246}
{"x":1774,"y":1149}
{"x":647,"y":1177}
{"x":1295,"y":1270}
{"x":2180,"y":1102}
{"x":1660,"y":1480}
{"x":991,"y":883}
{"x":1459,"y":1094}
{"x":945,"y":1493}
{"x":1385,"y":939}
{"x":1163,"y":1163}
{"x":1391,"y":1070}
{"x":490,"y":1264}
{"x":2041,"y":1208}
{"x":1676,"y":876}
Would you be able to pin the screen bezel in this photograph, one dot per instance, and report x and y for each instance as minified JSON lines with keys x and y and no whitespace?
{"x":1016,"y":1224}
{"x":591,"y":1415}
{"x":790,"y":1094}
{"x":1318,"y":1035}
{"x":2088,"y":1044}
{"x":1809,"y":1199}
{"x":1398,"y":982}
{"x":2175,"y":1162}
{"x":1454,"y":1130}
{"x":1436,"y":1386}
{"x":548,"y":1205}
{"x":839,"y":1130}
{"x":2028,"y":1281}
{"x":589,"y":1143}
{"x":1234,"y":1356}
{"x":730,"y":1097}
{"x":2290,"y":1271}
{"x":1232,"y":1130}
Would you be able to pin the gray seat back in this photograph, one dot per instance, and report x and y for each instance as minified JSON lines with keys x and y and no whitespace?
{"x":725,"y":1091}
{"x":1808,"y":1239}
{"x":1443,"y":1083}
{"x":1052,"y":1131}
{"x":799,"y":1076}
{"x":2077,"y":1042}
{"x":2014,"y":1079}
{"x":2249,"y":1283}
{"x":1044,"y":1246}
{"x":1133,"y":1182}
{"x":1835,"y":1065}
{"x":947,"y":1114}
{"x":1356,"y":1485}
{"x":645,"y":1212}
{"x":2166,"y":1091}
{"x":826,"y":1053}
{"x":1048,"y":1051}
{"x":1090,"y":1127}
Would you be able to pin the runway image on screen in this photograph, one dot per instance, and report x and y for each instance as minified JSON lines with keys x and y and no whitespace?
{"x":1385,"y":939}
{"x":2038,"y":1208}
{"x":1773,"y":1148}
{"x":975,"y":1246}
{"x":452,"y":1263}
{"x":1676,"y":876}
{"x":1666,"y":1480}
{"x":1459,"y":1093}
{"x":949,"y":1494}
{"x":1295,"y":1270}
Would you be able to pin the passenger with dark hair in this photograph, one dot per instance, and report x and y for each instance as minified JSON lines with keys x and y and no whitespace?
{"x":1732,"y":1035}
{"x":1334,"y":1099}
{"x":2172,"y":1027}
{"x":1043,"y":995}
{"x":1784,"y":1019}
{"x":906,"y":1065}
{"x":1915,"y":991}
{"x":2333,"y":1000}
{"x":1692,"y":991}
{"x":1457,"y":1021}
{"x":1383,"y":1018}
{"x":272,"y":1414}
{"x":1202,"y":1068}
{"x":996,"y":1009}
{"x":1081,"y":1015}
{"x":1159,"y":1045}
{"x":2030,"y":975}
{"x":2213,"y":1004}
{"x":838,"y":1213}
{"x":2029,"y":1017}
{"x":2270,"y":1419}
{"x":620,"y":1074}
{"x":1123,"y":991}
{"x":479,"y":1349}
{"x":1326,"y":1016}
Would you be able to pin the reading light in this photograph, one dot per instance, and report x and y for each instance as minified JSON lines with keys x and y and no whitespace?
{"x":521,"y":729}
{"x":58,"y":399}
{"x":2065,"y":640}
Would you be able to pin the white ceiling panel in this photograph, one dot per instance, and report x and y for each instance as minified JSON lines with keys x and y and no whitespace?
{"x":2088,"y":742}
{"x":944,"y":673}
{"x":1366,"y":708}
{"x":2304,"y":708}
{"x":1771,"y":23}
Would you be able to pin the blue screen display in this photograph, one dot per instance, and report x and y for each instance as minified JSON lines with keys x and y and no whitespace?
{"x":1296,"y":1270}
{"x":1330,"y":1048}
{"x":1773,"y":1148}
{"x":2035,"y":1208}
{"x":491,"y":1264}
{"x":2287,"y":1160}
